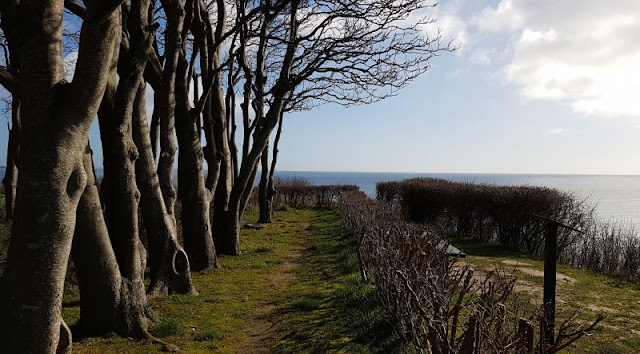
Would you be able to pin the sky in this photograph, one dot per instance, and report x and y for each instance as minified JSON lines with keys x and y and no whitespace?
{"x":541,"y":86}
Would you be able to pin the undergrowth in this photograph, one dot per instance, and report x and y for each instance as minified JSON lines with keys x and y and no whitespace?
{"x":591,"y":293}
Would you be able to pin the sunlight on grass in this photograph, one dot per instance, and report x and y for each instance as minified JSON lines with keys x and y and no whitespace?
{"x":324,"y":307}
{"x":589,"y":295}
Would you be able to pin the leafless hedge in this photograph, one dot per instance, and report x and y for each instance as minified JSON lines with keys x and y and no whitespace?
{"x":440,"y":305}
{"x":507,"y":215}
{"x":611,"y":248}
{"x":294,"y":192}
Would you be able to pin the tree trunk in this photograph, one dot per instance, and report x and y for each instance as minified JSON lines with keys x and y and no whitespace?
{"x":56,"y":118}
{"x":154,"y":129}
{"x":196,"y":223}
{"x":95,"y":263}
{"x":167,"y":102}
{"x":10,"y":180}
{"x":122,"y":195}
{"x":169,"y":265}
{"x":42,"y":231}
{"x":271,"y":191}
{"x":263,"y":189}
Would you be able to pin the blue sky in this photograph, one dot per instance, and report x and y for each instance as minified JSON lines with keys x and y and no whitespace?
{"x":537,"y":87}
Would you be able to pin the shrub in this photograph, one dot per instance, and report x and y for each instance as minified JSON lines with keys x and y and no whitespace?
{"x":440,"y":305}
{"x":296,"y":192}
{"x":510,"y":215}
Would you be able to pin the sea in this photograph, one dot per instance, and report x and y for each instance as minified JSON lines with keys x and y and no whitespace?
{"x":616,"y":197}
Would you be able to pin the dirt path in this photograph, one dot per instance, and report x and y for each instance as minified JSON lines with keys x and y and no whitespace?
{"x":261,"y":324}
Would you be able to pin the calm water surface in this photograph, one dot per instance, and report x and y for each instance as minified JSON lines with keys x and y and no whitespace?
{"x":615,"y":197}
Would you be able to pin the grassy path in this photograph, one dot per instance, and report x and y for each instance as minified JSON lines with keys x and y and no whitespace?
{"x":585,"y":291}
{"x":294,"y":289}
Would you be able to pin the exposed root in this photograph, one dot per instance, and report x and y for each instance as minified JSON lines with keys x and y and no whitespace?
{"x":166,"y":347}
{"x":64,"y":343}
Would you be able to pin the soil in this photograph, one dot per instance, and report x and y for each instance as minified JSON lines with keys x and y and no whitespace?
{"x":522,"y":286}
{"x":261,"y":324}
{"x":560,"y":278}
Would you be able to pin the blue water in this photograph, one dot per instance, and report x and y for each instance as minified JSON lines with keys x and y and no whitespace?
{"x":615,"y":197}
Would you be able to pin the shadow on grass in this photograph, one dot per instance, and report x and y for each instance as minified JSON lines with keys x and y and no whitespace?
{"x":474,"y":247}
{"x":331,"y":309}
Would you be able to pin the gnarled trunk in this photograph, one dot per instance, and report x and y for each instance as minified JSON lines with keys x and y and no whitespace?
{"x":271,"y":190}
{"x":166,"y":102}
{"x":108,"y":301}
{"x":95,"y":263}
{"x":122,"y":196}
{"x":196,"y":198}
{"x":169,"y":265}
{"x":56,"y":117}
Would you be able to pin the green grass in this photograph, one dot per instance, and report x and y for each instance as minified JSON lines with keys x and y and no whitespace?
{"x":323,"y":307}
{"x":590,"y":294}
{"x":329,"y":309}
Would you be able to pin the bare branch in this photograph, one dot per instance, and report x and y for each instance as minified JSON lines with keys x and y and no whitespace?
{"x":8,"y":80}
{"x":75,"y":8}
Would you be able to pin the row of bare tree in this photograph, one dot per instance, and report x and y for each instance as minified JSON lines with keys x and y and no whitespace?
{"x":199,"y":57}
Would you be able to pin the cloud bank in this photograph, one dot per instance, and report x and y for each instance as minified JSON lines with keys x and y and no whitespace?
{"x":584,"y":53}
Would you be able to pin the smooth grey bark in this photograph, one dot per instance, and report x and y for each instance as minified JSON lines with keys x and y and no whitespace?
{"x":96,"y":267}
{"x":56,"y":117}
{"x":169,"y":265}
{"x":120,"y":194}
{"x":196,"y":198}
{"x":166,"y":102}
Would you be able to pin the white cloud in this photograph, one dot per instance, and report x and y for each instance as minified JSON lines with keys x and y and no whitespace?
{"x":554,"y":131}
{"x":448,"y":23}
{"x":504,"y":16}
{"x":583,"y":53}
{"x":481,"y":56}
{"x":453,"y":29}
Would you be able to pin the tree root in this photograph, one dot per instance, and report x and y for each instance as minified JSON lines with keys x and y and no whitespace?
{"x":166,"y":347}
{"x":64,"y":342}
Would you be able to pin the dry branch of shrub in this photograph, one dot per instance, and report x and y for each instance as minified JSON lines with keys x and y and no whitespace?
{"x":505,"y":214}
{"x":440,"y":307}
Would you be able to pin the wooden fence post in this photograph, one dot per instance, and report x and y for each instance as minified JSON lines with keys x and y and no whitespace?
{"x":469,"y":341}
{"x":549,"y":297}
{"x":550,"y":266}
{"x":525,"y":337}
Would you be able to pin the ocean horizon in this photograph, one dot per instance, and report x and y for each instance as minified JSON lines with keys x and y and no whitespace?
{"x":616,"y":197}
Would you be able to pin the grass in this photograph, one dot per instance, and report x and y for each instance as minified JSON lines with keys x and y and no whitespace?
{"x":590,"y":294}
{"x":217,"y":318}
{"x":329,"y":309}
{"x":321,"y":307}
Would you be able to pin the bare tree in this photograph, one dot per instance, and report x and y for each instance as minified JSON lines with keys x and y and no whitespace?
{"x":308,"y":53}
